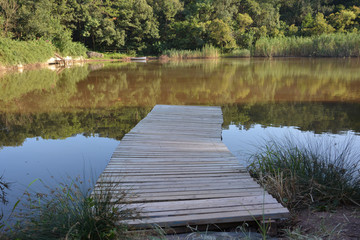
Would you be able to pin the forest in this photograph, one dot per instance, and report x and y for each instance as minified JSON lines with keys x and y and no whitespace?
{"x":154,"y":26}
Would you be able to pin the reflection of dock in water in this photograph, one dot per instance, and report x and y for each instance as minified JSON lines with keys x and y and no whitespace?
{"x":181,"y":173}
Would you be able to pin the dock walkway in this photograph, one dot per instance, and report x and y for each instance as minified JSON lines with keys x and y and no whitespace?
{"x":181,"y":173}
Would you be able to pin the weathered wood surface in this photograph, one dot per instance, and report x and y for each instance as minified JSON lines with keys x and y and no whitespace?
{"x":177,"y":172}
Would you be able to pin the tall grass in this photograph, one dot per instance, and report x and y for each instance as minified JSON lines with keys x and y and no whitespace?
{"x":326,"y":45}
{"x":72,"y":211}
{"x":208,"y":51}
{"x":321,"y":174}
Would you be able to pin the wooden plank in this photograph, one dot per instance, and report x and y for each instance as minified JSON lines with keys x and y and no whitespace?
{"x":177,"y":171}
{"x":198,"y":219}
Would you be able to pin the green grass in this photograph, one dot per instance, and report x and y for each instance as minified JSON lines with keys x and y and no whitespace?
{"x":208,"y":51}
{"x":71,"y":211}
{"x":319,"y":174}
{"x":326,"y":45}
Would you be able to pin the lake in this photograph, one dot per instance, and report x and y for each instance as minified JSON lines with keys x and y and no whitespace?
{"x":60,"y":123}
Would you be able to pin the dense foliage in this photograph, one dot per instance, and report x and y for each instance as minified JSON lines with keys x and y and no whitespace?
{"x":153,"y":26}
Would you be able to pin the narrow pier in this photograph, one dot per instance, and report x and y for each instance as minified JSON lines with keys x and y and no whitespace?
{"x":180,"y":173}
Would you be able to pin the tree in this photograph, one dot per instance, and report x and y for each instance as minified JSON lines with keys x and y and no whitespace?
{"x":321,"y":26}
{"x":292,"y":31}
{"x":220,"y":34}
{"x":100,"y":25}
{"x":342,"y":20}
{"x":188,"y":34}
{"x":165,"y":12}
{"x":307,"y":24}
{"x":8,"y":15}
{"x":39,"y":19}
{"x":243,"y":21}
{"x":137,"y":20}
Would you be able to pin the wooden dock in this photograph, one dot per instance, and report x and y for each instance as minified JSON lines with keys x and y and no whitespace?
{"x":180,"y":173}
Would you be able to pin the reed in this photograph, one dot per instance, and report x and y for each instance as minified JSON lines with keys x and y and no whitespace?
{"x":238,"y":53}
{"x":72,"y":211}
{"x":3,"y":200}
{"x":326,"y":45}
{"x":320,"y":174}
{"x":208,"y":51}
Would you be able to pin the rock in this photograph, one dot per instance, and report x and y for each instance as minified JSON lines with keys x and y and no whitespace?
{"x":94,"y":55}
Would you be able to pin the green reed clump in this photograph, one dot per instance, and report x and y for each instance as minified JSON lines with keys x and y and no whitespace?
{"x":70,"y":212}
{"x":319,"y":174}
{"x":325,"y":45}
{"x":208,"y":51}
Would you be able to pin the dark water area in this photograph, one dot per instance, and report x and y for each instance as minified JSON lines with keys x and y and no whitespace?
{"x":67,"y":122}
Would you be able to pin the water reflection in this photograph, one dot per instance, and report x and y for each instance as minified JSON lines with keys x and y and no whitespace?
{"x":51,"y":122}
{"x":15,"y":128}
{"x":194,"y":82}
{"x":318,"y":117}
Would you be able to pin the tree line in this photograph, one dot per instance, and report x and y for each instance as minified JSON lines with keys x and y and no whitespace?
{"x":152,"y":26}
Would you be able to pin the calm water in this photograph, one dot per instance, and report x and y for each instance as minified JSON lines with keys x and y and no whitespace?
{"x":67,"y":122}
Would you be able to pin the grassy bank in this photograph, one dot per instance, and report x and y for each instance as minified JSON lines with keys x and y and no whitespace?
{"x":326,"y":45}
{"x":318,"y":174}
{"x":14,"y":52}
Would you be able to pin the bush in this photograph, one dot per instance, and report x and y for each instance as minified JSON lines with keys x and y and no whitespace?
{"x":317,"y":174}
